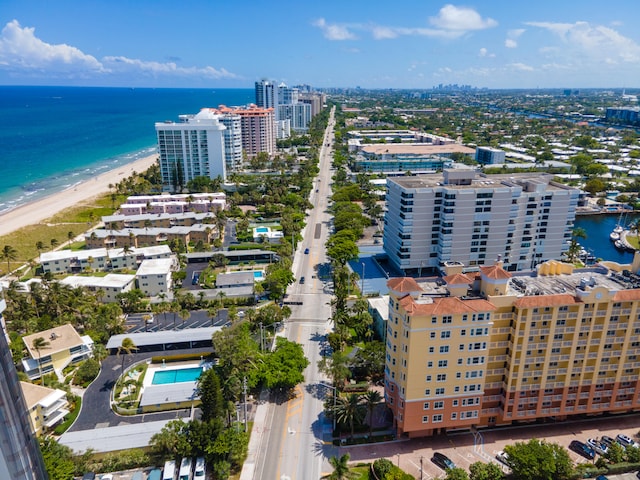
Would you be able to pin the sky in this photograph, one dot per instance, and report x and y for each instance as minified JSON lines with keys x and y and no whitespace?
{"x":412,"y":44}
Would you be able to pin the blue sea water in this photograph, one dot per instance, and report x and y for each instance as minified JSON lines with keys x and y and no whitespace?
{"x":54,"y":137}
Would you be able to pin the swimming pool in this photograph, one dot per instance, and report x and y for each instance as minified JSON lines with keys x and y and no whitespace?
{"x":258,"y":274}
{"x":163,"y":377}
{"x":262,"y":230}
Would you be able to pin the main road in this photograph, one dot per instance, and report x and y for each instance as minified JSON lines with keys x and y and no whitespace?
{"x":296,"y":438}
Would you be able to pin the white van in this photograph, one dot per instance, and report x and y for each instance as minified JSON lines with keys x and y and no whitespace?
{"x":201,"y":470}
{"x":185,"y":469}
{"x":169,"y":470}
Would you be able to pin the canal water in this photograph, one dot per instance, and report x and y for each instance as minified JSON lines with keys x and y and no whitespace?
{"x":598,"y":228}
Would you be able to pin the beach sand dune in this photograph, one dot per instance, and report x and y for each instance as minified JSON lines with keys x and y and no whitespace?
{"x":36,"y":212}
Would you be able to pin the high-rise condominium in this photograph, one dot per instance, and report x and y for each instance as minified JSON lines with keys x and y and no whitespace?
{"x":191,"y":148}
{"x":463,"y":216}
{"x":20,"y":457}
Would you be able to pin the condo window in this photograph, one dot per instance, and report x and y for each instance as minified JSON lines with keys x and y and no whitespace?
{"x":425,"y":419}
{"x":437,"y":418}
{"x":438,"y":405}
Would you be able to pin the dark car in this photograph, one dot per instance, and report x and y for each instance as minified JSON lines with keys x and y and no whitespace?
{"x":89,"y":476}
{"x":306,"y":251}
{"x":582,"y":449}
{"x":607,"y":440}
{"x":301,"y":279}
{"x":441,"y":460}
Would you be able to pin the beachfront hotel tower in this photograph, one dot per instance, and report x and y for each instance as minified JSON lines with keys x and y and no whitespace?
{"x":493,"y":348}
{"x":463,"y":216}
{"x":20,"y":457}
{"x":191,"y":148}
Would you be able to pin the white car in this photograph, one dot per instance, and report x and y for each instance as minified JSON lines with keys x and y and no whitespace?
{"x":108,"y":476}
{"x":625,"y":440}
{"x":599,"y":447}
{"x":503,"y":457}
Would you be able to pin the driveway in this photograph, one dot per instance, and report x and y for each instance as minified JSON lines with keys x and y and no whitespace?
{"x":96,"y":402}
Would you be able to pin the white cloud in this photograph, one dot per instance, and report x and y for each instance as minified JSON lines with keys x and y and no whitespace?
{"x":485,"y":53}
{"x":597,"y":42}
{"x":20,"y":49}
{"x":522,"y":67}
{"x":333,"y":31}
{"x":460,"y":19}
{"x":512,"y":36}
{"x":124,"y":64}
{"x":22,"y":52}
{"x":451,"y":22}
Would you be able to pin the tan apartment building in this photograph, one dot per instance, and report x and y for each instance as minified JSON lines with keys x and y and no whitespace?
{"x":498,"y":347}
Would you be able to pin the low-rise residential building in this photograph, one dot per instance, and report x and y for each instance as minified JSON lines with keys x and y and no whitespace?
{"x":500,"y":347}
{"x":154,"y":276}
{"x":141,"y":237}
{"x":46,"y":406}
{"x":163,"y":220}
{"x":61,"y":346}
{"x":176,"y":204}
{"x":60,"y":261}
{"x":109,"y":286}
{"x":96,"y":259}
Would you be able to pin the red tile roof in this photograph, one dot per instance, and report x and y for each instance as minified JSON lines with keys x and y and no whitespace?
{"x":404,"y":284}
{"x":458,"y":279}
{"x":627,"y":295}
{"x":495,"y":272}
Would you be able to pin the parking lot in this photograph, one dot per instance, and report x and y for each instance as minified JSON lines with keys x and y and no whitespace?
{"x":467,"y":448}
{"x":141,"y":322}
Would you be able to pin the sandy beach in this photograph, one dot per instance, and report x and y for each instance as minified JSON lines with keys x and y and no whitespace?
{"x":44,"y":208}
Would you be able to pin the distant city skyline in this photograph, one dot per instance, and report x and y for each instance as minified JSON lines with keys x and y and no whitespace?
{"x":415,"y":45}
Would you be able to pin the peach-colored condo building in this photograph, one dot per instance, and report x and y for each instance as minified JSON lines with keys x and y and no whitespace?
{"x":492,"y":348}
{"x":257,"y":126}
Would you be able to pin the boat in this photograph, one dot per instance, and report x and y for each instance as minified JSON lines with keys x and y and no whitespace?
{"x":619,"y":245}
{"x":614,"y":236}
{"x":617,"y":231}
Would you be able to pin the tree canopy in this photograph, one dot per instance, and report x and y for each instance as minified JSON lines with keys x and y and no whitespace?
{"x":539,"y":460}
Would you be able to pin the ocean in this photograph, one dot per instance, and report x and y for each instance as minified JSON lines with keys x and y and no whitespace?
{"x":52,"y":138}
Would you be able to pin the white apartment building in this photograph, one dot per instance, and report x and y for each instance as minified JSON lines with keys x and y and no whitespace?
{"x":109,"y":286}
{"x":154,"y":276}
{"x":463,"y":216}
{"x":192,"y":148}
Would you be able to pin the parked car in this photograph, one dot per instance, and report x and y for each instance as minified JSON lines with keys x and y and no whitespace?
{"x":602,"y":477}
{"x":625,"y":440}
{"x":582,"y":449}
{"x":608,"y":441}
{"x":503,"y":457}
{"x":600,"y":447}
{"x":306,"y":251}
{"x":301,"y":279}
{"x":89,"y":476}
{"x":441,"y":460}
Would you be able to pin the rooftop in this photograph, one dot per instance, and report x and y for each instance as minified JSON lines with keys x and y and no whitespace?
{"x":415,"y":149}
{"x":35,"y":394}
{"x":162,"y":337}
{"x":111,"y":280}
{"x":60,"y":338}
{"x":157,"y":266}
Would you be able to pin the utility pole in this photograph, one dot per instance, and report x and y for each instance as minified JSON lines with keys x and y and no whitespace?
{"x":421,"y":459}
{"x":244,"y":391}
{"x":261,"y":337}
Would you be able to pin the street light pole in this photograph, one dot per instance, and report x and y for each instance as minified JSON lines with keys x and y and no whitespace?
{"x":421,"y":459}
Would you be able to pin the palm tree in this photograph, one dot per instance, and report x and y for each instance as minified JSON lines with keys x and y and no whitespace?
{"x":371,"y":399}
{"x":39,"y":343}
{"x":99,"y":352}
{"x":184,"y":315}
{"x":349,"y":410}
{"x":54,"y":243}
{"x":70,"y":235}
{"x":39,"y":247}
{"x":127,"y":346}
{"x":340,"y":468}
{"x":9,"y":254}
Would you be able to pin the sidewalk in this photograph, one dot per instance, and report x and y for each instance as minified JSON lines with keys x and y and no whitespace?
{"x":249,"y":466}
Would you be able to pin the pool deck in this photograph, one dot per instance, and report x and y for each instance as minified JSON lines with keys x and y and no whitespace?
{"x":158,"y":367}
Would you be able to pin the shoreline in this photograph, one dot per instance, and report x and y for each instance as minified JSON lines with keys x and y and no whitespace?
{"x":35,"y":212}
